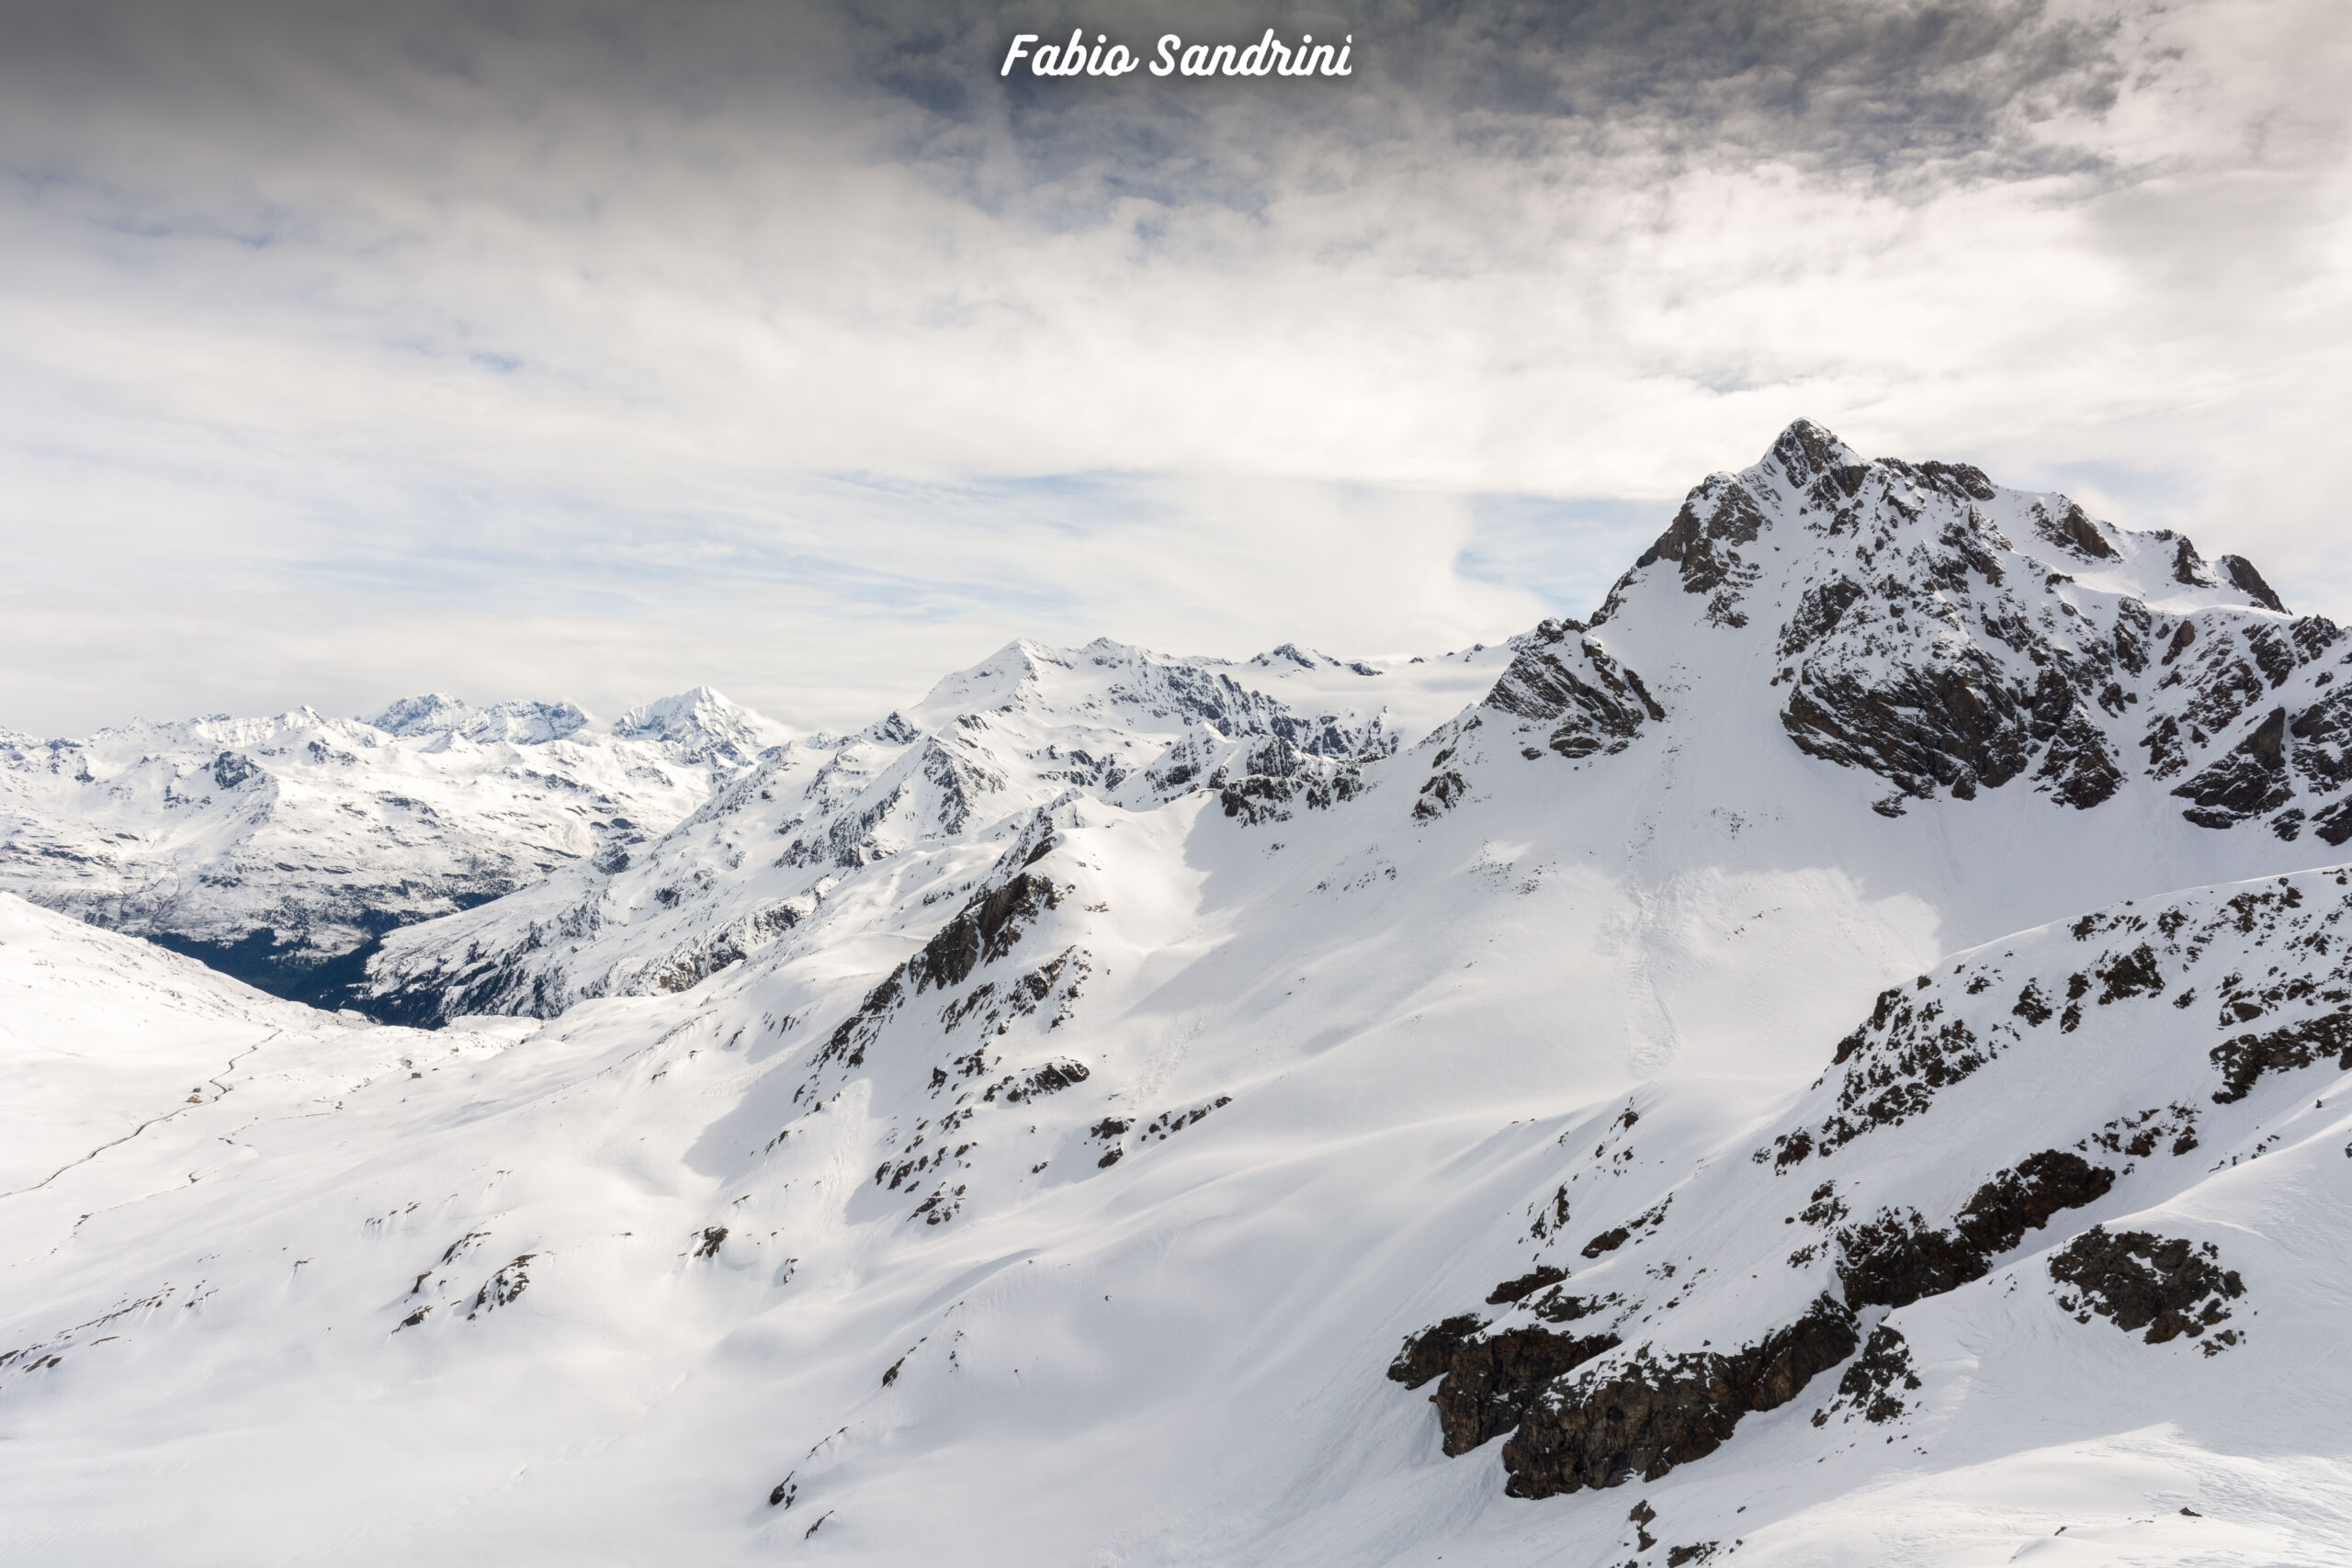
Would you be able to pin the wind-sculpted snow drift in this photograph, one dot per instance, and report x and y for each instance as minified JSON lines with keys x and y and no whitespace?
{"x":1834,"y":1061}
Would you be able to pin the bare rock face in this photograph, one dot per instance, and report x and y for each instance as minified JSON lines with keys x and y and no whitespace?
{"x":1429,"y":1354}
{"x":2239,"y":573}
{"x":1949,"y":636}
{"x":1646,"y":1415}
{"x":985,"y":929}
{"x":1894,"y":1259}
{"x":1939,"y":655}
{"x":1487,"y":1382}
{"x":2244,"y":1058}
{"x":2166,"y":1285}
{"x":1511,"y":1291}
{"x":1951,"y":726}
{"x":2000,"y":1212}
{"x":2246,"y":781}
{"x":1876,"y":1381}
{"x":1704,"y":538}
{"x":1566,"y":681}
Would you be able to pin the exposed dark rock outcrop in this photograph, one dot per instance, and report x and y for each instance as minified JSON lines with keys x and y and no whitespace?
{"x":1488,"y":1382}
{"x":1894,"y":1258}
{"x":1957,"y":726}
{"x":2073,"y":530}
{"x":1916,"y":648}
{"x":1907,"y":1051}
{"x":2247,"y":780}
{"x":1526,"y":1285}
{"x":2244,"y":1059}
{"x":1439,"y":795}
{"x":1261,"y":781}
{"x":1557,"y":1306}
{"x":2166,"y":1285}
{"x":2000,"y":1212}
{"x":1873,"y":1385}
{"x":981,"y":932}
{"x":1429,"y":1354}
{"x":1646,"y":1416}
{"x":1051,"y":1079}
{"x":2239,"y":573}
{"x":230,"y":769}
{"x":1718,"y":517}
{"x":1593,"y":703}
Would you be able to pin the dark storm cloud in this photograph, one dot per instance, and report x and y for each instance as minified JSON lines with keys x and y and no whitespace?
{"x":1834,"y":83}
{"x":1924,"y":92}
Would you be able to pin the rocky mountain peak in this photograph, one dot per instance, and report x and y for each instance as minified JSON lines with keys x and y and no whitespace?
{"x":1920,"y":622}
{"x":1805,"y":453}
{"x":701,"y":726}
{"x":2239,"y":573}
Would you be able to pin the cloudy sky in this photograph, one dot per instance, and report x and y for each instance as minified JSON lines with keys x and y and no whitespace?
{"x":596,"y":350}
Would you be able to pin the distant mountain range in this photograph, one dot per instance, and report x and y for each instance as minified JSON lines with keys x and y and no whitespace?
{"x":280,"y":849}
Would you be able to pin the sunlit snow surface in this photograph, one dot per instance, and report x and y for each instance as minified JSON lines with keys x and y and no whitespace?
{"x":820,"y":1253}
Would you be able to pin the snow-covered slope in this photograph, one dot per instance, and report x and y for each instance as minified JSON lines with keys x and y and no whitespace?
{"x":2050,"y":712}
{"x":1058,"y":1123}
{"x":989,"y":746}
{"x":2074,"y":1199}
{"x":1111,"y":1266}
{"x":269,"y":845}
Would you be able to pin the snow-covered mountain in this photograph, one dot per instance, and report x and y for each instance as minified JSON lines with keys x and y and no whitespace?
{"x":1026,"y":728}
{"x":1923,"y":624}
{"x":270,"y":846}
{"x":1833,"y":1062}
{"x":1951,"y":646}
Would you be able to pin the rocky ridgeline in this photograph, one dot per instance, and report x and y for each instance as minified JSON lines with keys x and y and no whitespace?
{"x":1913,"y":621}
{"x":1918,"y":621}
{"x":2096,"y":1061}
{"x":1025,"y":729}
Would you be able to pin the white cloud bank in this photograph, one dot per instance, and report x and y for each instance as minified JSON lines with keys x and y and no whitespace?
{"x":346,"y":356}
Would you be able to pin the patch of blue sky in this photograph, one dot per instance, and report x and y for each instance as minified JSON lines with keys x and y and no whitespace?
{"x":1566,"y":550}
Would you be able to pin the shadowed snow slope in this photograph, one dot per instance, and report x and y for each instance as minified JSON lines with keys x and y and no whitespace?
{"x":1741,"y":1078}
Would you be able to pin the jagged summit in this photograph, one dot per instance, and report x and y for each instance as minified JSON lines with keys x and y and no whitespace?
{"x":1917,"y":621}
{"x":1805,"y":451}
{"x":1824,"y":504}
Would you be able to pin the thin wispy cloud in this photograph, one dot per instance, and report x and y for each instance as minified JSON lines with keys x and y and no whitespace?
{"x":597,"y":351}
